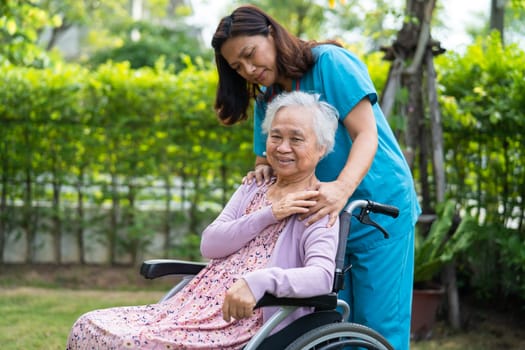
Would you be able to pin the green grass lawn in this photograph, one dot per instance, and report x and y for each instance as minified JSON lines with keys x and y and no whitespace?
{"x":40,"y":319}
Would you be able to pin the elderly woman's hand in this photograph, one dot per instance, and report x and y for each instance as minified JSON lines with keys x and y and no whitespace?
{"x":261,"y":174}
{"x":294,"y":203}
{"x":238,"y":301}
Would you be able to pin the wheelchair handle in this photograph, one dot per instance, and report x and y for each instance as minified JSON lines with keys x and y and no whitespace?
{"x":366,"y":206}
{"x":374,"y":207}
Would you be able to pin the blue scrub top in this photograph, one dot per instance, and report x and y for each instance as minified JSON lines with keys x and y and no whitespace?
{"x":342,"y":80}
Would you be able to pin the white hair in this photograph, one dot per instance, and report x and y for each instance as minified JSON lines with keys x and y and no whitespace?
{"x":325,"y":117}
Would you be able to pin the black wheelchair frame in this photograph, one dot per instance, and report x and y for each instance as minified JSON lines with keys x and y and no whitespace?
{"x":326,"y":327}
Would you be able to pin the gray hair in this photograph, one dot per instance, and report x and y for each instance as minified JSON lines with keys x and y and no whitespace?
{"x":325,"y":117}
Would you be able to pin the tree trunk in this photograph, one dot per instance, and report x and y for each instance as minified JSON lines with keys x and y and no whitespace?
{"x":522,"y":216}
{"x":80,"y":218}
{"x":193,"y":217}
{"x":57,"y":222}
{"x":194,"y":211}
{"x":424,"y":176}
{"x":388,"y":98}
{"x":133,"y":238}
{"x":497,"y":16}
{"x":450,"y":282}
{"x":113,"y":227}
{"x":437,"y":130}
{"x":56,"y":230}
{"x":27,"y":221}
{"x":167,"y":217}
{"x":3,"y":203}
{"x":507,"y":169}
{"x":413,"y":110}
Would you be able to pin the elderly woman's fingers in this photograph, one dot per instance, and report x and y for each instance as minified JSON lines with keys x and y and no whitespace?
{"x":294,"y":203}
{"x":226,"y":315}
{"x":238,"y":301}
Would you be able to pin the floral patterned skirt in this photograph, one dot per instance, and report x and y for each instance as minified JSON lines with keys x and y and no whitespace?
{"x":192,"y":319}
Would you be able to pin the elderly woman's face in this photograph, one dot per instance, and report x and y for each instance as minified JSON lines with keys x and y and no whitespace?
{"x":291,"y":147}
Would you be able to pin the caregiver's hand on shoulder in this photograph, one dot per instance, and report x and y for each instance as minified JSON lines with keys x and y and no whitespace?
{"x":238,"y":301}
{"x":261,"y":174}
{"x":331,"y":200}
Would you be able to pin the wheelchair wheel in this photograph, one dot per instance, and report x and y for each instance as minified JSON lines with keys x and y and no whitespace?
{"x":338,"y":336}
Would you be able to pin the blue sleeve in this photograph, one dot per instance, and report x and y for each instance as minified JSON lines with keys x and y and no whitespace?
{"x":344,"y":79}
{"x":259,"y":139}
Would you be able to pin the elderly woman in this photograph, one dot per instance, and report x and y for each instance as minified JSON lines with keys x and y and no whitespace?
{"x":257,"y":245}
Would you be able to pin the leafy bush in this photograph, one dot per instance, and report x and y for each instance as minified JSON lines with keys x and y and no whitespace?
{"x":443,"y":242}
{"x":483,"y":108}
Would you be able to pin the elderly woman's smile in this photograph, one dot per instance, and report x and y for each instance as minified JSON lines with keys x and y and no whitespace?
{"x":292,"y":147}
{"x":285,"y":160}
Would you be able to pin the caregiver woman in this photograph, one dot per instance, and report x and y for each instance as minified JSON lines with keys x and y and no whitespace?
{"x":257,"y":58}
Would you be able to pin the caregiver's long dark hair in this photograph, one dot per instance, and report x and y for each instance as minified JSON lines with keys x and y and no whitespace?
{"x":294,"y":58}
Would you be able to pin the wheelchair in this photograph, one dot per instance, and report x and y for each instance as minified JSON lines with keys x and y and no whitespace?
{"x":325,"y":328}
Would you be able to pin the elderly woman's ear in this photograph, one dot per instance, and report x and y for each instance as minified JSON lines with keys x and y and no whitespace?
{"x":323,"y":149}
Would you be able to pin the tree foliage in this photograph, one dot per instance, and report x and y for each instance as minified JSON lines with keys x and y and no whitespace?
{"x":20,"y":24}
{"x":156,"y":41}
{"x":303,"y":18}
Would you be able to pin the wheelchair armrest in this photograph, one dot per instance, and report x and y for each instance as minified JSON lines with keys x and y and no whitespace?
{"x":161,"y":267}
{"x":321,"y":302}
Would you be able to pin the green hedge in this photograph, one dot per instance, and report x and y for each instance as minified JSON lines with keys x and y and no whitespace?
{"x":114,"y":138}
{"x":483,"y":107}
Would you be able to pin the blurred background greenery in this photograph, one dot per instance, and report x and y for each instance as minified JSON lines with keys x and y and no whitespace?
{"x":110,"y":151}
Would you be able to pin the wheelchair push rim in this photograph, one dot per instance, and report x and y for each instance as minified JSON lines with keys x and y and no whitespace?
{"x":339,"y":336}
